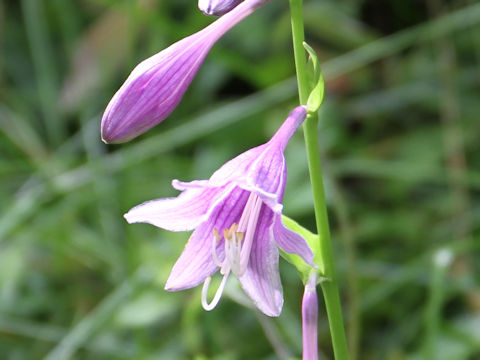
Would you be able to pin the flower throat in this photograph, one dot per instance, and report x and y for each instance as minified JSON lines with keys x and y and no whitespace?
{"x":238,"y":241}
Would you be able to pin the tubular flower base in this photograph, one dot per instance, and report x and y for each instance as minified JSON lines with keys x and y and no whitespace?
{"x":217,"y":7}
{"x":156,"y":86}
{"x":238,"y":226}
{"x":310,"y":319}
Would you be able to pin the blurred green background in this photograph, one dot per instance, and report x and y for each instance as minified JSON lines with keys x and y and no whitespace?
{"x":399,"y":131}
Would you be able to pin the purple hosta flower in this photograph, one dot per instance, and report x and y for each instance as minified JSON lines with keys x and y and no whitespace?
{"x":310,"y":319}
{"x":236,"y":215}
{"x":217,"y":7}
{"x":156,"y":85}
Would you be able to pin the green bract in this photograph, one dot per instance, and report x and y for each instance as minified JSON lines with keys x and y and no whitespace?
{"x":315,"y":76}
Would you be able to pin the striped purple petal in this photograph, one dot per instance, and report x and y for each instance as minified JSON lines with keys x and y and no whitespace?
{"x":262,"y":279}
{"x":262,"y":169}
{"x":182,"y":213}
{"x":156,"y":86}
{"x":291,"y":242}
{"x":196,"y":261}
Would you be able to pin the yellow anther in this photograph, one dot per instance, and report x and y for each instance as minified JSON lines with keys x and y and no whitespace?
{"x":227,"y":234}
{"x":216,"y":235}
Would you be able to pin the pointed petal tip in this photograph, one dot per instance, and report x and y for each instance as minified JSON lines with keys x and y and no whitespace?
{"x":134,"y":216}
{"x":208,"y":12}
{"x":111,"y":138}
{"x":128,"y":217}
{"x":106,"y":137}
{"x":217,"y":7}
{"x":272,"y":312}
{"x":269,"y":308}
{"x":170,"y":287}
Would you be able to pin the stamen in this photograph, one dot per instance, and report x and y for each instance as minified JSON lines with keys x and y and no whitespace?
{"x":233,"y":247}
{"x":218,"y":294}
{"x":239,"y":236}
{"x":226,"y":233}
{"x":216,"y":240}
{"x":225,"y":266}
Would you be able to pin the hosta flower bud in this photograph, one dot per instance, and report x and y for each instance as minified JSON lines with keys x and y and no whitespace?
{"x":156,"y":86}
{"x":217,"y":7}
{"x":310,"y":319}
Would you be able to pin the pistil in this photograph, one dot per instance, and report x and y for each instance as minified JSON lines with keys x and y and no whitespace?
{"x":249,"y":231}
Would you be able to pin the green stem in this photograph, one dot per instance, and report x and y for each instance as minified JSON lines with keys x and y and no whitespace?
{"x":330,"y":288}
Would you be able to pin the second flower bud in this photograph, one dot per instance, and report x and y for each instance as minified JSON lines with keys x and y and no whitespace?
{"x":217,"y":7}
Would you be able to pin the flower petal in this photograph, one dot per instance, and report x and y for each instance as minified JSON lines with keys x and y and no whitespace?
{"x":289,"y":126}
{"x":267,"y":177}
{"x":260,"y":170}
{"x":196,"y":261}
{"x":182,"y":185}
{"x":185,"y":212}
{"x":217,"y":7}
{"x":261,"y":280}
{"x":291,"y":242}
{"x":237,"y":167}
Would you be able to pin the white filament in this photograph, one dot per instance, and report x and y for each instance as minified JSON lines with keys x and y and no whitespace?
{"x":215,"y":241}
{"x":233,"y":248}
{"x":218,"y":294}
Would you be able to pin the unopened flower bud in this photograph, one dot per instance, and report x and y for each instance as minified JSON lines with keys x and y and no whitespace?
{"x":310,"y":319}
{"x":156,"y":86}
{"x":217,"y":7}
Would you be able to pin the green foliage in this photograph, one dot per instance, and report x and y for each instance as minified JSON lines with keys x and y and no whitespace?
{"x":399,"y":134}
